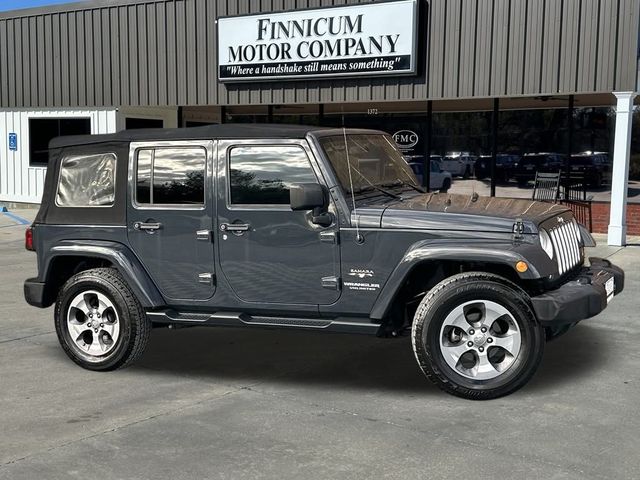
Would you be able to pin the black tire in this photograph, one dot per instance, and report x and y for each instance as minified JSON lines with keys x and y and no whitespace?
{"x":446,"y":185}
{"x":467,"y":172}
{"x":456,"y":291}
{"x":134,"y":326}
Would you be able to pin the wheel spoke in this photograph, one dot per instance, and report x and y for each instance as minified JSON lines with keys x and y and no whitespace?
{"x":456,"y":351}
{"x":76,"y":329}
{"x":82,"y":305}
{"x":484,"y":368}
{"x":96,"y":347}
{"x":457,"y":319}
{"x":103,"y":304}
{"x":510,"y":342}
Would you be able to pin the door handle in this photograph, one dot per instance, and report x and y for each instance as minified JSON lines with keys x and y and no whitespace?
{"x":149,"y":227}
{"x":235,"y":227}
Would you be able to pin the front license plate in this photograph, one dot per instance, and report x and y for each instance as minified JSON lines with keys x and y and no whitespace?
{"x":610,"y":287}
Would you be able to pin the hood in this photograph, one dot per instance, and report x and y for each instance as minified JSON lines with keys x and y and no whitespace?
{"x":437,"y":211}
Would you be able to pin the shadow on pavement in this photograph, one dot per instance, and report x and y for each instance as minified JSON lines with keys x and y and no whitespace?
{"x":577,"y":354}
{"x":337,"y":361}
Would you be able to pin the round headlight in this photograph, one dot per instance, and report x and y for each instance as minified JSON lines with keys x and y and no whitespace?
{"x":545,"y":243}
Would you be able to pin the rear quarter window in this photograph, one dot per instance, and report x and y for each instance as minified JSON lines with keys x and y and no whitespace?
{"x":87,"y":181}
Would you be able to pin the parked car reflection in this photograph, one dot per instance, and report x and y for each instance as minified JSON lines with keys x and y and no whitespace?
{"x":593,"y":167}
{"x":439,"y":179}
{"x":505,"y":166}
{"x":531,"y":163}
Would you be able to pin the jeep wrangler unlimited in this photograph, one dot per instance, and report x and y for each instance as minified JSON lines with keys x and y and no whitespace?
{"x":302,"y":227}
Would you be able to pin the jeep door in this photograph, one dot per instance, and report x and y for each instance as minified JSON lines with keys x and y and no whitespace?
{"x":269,"y":253}
{"x":170,"y":216}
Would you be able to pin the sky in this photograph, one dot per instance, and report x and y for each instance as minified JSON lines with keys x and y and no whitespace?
{"x":18,"y":4}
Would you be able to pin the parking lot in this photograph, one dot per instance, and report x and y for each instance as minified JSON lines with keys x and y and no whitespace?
{"x":229,"y":403}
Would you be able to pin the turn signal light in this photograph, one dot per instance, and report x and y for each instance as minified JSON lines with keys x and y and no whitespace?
{"x":28,"y":239}
{"x":522,"y":267}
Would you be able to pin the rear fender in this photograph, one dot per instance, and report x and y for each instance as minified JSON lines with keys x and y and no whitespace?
{"x":121,"y":257}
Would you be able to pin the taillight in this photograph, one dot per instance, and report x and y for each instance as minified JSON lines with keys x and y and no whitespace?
{"x":28,"y":239}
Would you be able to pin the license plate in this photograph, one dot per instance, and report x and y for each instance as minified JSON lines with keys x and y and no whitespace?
{"x":610,"y":287}
{"x":528,"y":168}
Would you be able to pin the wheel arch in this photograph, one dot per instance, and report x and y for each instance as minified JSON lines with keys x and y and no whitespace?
{"x":422,"y":267}
{"x":69,"y":257}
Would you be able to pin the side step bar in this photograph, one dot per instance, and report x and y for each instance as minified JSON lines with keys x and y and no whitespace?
{"x":239,"y":319}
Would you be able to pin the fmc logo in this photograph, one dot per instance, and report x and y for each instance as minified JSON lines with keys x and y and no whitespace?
{"x":406,"y":139}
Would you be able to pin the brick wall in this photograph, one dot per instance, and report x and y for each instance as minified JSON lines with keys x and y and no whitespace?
{"x":600,"y":217}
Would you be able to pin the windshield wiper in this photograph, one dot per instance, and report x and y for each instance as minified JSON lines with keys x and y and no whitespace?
{"x":379,"y":189}
{"x":398,"y":182}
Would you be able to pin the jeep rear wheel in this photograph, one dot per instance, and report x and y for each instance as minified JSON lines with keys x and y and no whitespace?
{"x":475,"y":336}
{"x":99,"y":322}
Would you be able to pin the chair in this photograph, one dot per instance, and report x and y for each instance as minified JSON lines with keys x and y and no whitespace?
{"x":546,"y":187}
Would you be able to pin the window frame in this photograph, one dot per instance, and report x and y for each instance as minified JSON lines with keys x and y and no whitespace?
{"x":279,"y":207}
{"x":115,"y":179}
{"x":135,"y":147}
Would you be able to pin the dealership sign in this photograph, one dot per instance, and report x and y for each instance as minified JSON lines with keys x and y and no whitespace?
{"x":406,"y":139}
{"x":365,"y":39}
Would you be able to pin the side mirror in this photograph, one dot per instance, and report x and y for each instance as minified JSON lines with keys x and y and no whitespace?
{"x":308,"y":196}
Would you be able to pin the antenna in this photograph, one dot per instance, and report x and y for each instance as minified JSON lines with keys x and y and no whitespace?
{"x":359,"y":238}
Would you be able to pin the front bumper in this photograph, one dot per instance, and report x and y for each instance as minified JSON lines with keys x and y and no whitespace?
{"x":583,"y":297}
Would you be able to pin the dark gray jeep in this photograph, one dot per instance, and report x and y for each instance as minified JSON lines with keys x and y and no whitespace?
{"x":302,"y":227}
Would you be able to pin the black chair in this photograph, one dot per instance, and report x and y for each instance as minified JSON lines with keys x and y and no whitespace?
{"x":546,"y":187}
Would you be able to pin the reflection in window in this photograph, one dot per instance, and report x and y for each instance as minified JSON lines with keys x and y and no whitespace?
{"x":143,"y":183}
{"x":87,"y":181}
{"x":262,"y":175}
{"x":171,"y":176}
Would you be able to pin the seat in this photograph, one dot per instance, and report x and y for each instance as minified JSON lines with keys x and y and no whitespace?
{"x":546,"y":187}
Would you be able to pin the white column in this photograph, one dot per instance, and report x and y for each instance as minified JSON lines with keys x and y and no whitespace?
{"x":620,"y":169}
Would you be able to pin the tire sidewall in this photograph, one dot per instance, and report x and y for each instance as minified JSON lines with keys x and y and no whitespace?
{"x":429,"y":327}
{"x":76,"y":285}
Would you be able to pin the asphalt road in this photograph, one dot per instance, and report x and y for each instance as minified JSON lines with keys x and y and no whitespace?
{"x":226,"y":403}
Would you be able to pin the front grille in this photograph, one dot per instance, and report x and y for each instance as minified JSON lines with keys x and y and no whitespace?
{"x":566,"y":245}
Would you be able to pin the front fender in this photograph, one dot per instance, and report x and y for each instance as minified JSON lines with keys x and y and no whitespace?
{"x":120,"y":256}
{"x":426,"y":251}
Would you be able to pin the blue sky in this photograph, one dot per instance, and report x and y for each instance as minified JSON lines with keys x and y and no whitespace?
{"x":18,"y":4}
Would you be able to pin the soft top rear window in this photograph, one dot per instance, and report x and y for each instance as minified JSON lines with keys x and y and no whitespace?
{"x":87,"y":180}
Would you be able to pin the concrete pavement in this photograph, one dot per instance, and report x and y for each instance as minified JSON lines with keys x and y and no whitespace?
{"x":227,"y":403}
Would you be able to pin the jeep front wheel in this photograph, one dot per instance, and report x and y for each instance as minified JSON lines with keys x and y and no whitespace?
{"x":99,"y":322}
{"x":475,"y":336}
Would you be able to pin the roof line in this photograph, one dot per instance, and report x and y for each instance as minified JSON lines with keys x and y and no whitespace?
{"x":70,"y":7}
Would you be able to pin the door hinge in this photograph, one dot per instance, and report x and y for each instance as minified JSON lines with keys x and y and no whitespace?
{"x":329,"y":237}
{"x":205,"y":278}
{"x":331,"y":283}
{"x":203,"y":235}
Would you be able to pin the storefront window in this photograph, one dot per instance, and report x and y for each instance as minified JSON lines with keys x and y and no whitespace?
{"x":42,"y":130}
{"x":634,"y":167}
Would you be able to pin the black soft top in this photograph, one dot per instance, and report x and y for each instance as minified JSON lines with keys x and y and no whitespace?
{"x":227,"y":130}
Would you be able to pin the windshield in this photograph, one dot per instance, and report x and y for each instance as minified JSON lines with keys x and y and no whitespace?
{"x":374,"y":160}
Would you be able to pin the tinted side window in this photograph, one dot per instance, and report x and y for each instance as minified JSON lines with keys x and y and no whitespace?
{"x":171,"y":176}
{"x":262,"y":175}
{"x":87,"y":181}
